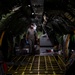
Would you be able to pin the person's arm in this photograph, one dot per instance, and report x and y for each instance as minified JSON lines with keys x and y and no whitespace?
{"x":36,"y":35}
{"x":27,"y":35}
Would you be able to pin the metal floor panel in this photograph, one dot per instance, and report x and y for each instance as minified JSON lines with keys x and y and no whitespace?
{"x":37,"y":65}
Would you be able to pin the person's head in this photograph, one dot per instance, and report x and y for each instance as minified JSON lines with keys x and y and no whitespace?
{"x":31,"y":26}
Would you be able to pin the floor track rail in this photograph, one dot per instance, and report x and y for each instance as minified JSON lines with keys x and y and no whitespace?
{"x":37,"y":65}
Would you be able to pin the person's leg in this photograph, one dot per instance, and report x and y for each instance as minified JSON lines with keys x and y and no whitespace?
{"x":30,"y":46}
{"x":33,"y":49}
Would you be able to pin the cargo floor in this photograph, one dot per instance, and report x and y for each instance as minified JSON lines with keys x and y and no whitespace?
{"x":36,"y":65}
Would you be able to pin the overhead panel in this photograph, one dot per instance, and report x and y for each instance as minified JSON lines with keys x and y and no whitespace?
{"x":37,"y":6}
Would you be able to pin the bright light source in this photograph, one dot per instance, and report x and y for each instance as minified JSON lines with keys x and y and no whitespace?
{"x":28,"y":5}
{"x":32,"y":13}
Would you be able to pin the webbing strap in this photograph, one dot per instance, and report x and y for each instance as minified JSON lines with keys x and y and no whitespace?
{"x":1,"y":37}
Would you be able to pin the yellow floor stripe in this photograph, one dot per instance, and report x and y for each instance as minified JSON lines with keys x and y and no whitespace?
{"x":51,"y":65}
{"x":57,"y":63}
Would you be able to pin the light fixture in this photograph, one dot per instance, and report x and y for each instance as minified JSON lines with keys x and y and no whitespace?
{"x":29,"y":5}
